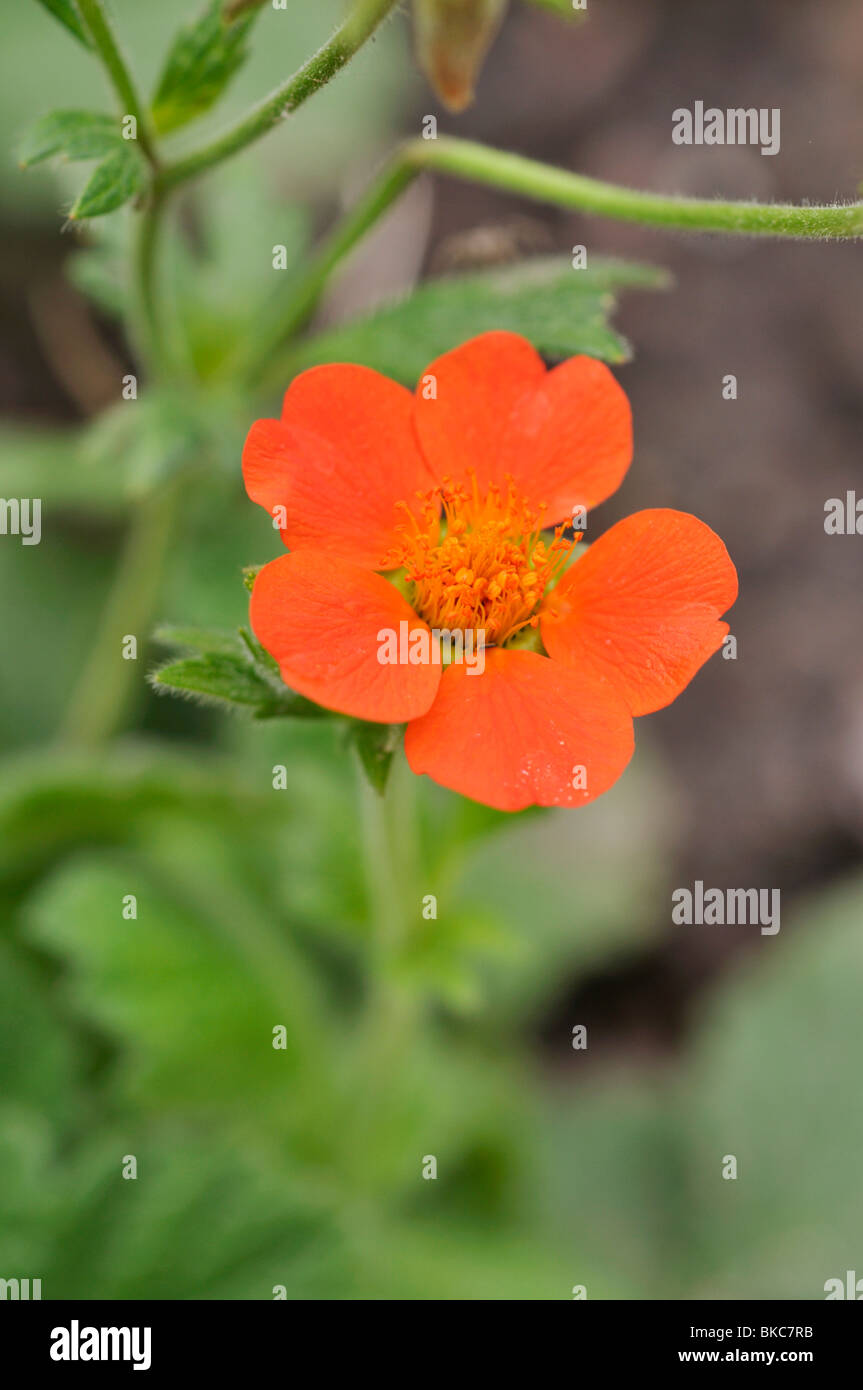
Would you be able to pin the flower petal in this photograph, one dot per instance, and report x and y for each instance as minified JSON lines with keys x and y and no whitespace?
{"x":341,"y":457}
{"x":517,"y":734}
{"x":320,"y":616}
{"x":565,"y":435}
{"x":642,"y":604}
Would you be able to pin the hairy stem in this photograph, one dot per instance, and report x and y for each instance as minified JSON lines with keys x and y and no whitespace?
{"x":466,"y":160}
{"x":99,"y":28}
{"x":362,"y":21}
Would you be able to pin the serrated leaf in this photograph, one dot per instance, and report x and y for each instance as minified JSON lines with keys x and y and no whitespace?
{"x":203,"y":59}
{"x":230,"y":679}
{"x":229,"y":668}
{"x":562,"y":311}
{"x":66,"y":12}
{"x":220,"y":676}
{"x":113,"y":182}
{"x":73,"y":134}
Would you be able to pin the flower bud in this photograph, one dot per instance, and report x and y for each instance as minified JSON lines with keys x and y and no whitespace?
{"x":453,"y":37}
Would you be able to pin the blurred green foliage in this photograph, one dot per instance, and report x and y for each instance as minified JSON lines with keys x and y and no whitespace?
{"x":300,"y":1166}
{"x":153,"y":1037}
{"x":261,"y":1166}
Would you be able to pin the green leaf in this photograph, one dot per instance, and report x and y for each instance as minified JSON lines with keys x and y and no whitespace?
{"x":211,"y":1218}
{"x":202,"y":970}
{"x":376,"y":744}
{"x":74,"y":134}
{"x":113,"y":182}
{"x":203,"y":59}
{"x":560,"y":310}
{"x":67,"y":13}
{"x":217,"y":677}
{"x":225,"y":673}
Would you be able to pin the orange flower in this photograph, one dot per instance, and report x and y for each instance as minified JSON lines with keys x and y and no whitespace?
{"x":423,"y":514}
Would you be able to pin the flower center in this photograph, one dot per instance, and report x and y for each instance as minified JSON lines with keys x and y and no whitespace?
{"x":485,"y":566}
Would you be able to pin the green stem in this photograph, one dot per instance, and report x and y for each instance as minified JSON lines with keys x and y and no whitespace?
{"x":528,"y":177}
{"x":147,"y":328}
{"x":466,"y":160}
{"x":394,"y":899}
{"x":106,"y":45}
{"x":362,"y":21}
{"x":391,"y":893}
{"x":102,"y":693}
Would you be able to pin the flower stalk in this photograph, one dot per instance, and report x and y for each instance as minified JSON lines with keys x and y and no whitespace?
{"x":516,"y":173}
{"x":530,"y":178}
{"x":391,"y":871}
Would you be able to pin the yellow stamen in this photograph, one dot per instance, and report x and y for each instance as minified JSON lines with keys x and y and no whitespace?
{"x":484,"y":568}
